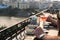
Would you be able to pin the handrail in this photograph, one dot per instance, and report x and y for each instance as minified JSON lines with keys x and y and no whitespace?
{"x":8,"y":32}
{"x":23,"y":20}
{"x":13,"y":25}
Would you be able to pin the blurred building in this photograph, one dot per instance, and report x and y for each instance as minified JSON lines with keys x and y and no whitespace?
{"x":1,"y":1}
{"x":27,"y":4}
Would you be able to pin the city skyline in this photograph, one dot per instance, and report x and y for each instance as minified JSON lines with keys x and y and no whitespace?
{"x":34,"y":0}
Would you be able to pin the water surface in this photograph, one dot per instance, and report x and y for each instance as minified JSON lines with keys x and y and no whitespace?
{"x":9,"y":21}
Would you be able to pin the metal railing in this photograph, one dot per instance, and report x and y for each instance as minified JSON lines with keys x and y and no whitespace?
{"x":13,"y":31}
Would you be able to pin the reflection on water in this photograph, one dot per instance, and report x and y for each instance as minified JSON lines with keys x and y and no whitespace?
{"x":9,"y":21}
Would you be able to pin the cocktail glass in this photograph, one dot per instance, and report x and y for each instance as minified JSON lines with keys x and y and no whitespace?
{"x":43,"y":19}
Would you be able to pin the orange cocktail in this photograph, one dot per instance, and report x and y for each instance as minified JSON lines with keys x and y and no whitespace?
{"x":43,"y":18}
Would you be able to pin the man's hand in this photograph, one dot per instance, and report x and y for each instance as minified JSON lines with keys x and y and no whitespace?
{"x":49,"y":18}
{"x":53,"y":21}
{"x":38,"y":32}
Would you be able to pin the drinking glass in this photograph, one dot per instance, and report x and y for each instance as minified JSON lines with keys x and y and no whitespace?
{"x":43,"y":19}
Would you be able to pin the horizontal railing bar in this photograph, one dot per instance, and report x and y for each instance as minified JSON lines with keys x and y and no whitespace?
{"x":23,"y":20}
{"x":14,"y":24}
{"x":8,"y":32}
